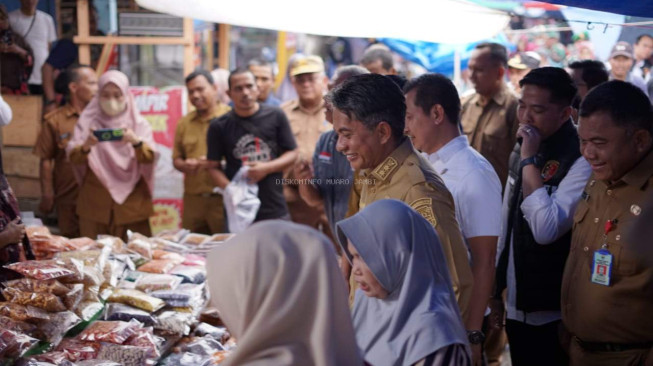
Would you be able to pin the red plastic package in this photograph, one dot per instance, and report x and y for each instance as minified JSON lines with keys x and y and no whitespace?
{"x":109,"y":331}
{"x":41,"y":300}
{"x":41,"y":270}
{"x":77,"y":350}
{"x":158,"y":266}
{"x":14,"y":344}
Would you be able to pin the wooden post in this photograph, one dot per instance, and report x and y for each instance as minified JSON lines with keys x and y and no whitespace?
{"x":189,"y":43}
{"x":282,"y":59}
{"x":224,"y":44}
{"x":83,"y":31}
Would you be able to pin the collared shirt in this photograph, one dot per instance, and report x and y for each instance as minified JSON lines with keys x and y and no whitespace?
{"x":272,"y":100}
{"x":407,"y":176}
{"x":306,"y":126}
{"x":620,"y":312}
{"x":58,"y":127}
{"x":471,"y":179}
{"x":190,"y":142}
{"x":642,"y":69}
{"x":549,"y":217}
{"x":333,"y":177}
{"x":492,"y":128}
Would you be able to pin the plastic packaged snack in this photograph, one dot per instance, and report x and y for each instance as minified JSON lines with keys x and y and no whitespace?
{"x":93,"y":276}
{"x":124,"y":355}
{"x":195,"y":239}
{"x":109,"y":331}
{"x":56,"y":358}
{"x":123,"y":312}
{"x":40,"y":300}
{"x":162,"y":254}
{"x":88,"y":309}
{"x":173,"y":235}
{"x":141,"y":247}
{"x":112,"y":271}
{"x":194,"y":275}
{"x":193,"y":260}
{"x":218,"y":333}
{"x":41,"y":270}
{"x":137,"y":299}
{"x":37,"y":232}
{"x":54,"y":329}
{"x":211,"y":316}
{"x":144,"y":337}
{"x":175,"y":322}
{"x":97,"y":363}
{"x":205,"y":346}
{"x":82,"y":243}
{"x":14,"y":344}
{"x":158,"y":266}
{"x":186,"y":359}
{"x":155,"y":282}
{"x":184,"y":295}
{"x":16,"y":325}
{"x":31,"y":285}
{"x":23,"y":313}
{"x":74,"y":296}
{"x":116,"y":244}
{"x":93,"y":257}
{"x":77,"y":350}
{"x":167,"y":245}
{"x":219,"y":238}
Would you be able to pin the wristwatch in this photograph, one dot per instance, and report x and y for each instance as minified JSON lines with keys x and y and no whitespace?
{"x":475,"y":336}
{"x":535,"y":160}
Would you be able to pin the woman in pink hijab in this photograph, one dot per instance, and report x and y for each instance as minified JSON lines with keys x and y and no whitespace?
{"x":116,"y":178}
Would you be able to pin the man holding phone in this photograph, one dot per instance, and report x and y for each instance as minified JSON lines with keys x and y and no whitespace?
{"x":203,"y":209}
{"x":58,"y":186}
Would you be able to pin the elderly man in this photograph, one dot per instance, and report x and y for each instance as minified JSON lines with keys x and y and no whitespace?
{"x":608,"y":278}
{"x":369,"y":116}
{"x":377,"y":59}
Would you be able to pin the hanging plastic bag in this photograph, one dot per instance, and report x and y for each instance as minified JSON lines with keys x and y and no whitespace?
{"x":241,"y":201}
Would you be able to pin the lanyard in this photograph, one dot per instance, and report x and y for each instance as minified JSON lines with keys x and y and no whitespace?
{"x":609,"y":226}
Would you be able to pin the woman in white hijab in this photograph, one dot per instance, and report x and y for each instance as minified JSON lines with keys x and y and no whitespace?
{"x":405,"y":312}
{"x":280,"y":293}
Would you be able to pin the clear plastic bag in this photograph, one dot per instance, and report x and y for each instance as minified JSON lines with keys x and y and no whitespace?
{"x":88,"y":309}
{"x":93,"y":276}
{"x":137,"y":299}
{"x":116,"y":244}
{"x":31,"y":285}
{"x":167,"y":245}
{"x":194,"y":275}
{"x":77,"y":350}
{"x":16,"y":325}
{"x":53,"y":330}
{"x":40,"y":300}
{"x":82,"y":244}
{"x":162,"y":254}
{"x":14,"y":344}
{"x":74,"y":296}
{"x":193,"y":260}
{"x":97,"y":363}
{"x":41,"y":270}
{"x":172,"y":321}
{"x":205,"y":346}
{"x":220,"y":356}
{"x":34,"y":232}
{"x":124,"y":355}
{"x":173,"y":235}
{"x":144,"y":337}
{"x":156,"y":282}
{"x":94,"y":257}
{"x":126,"y":313}
{"x":219,"y":333}
{"x":112,"y":272}
{"x":186,"y":359}
{"x":109,"y":331}
{"x":195,"y":239}
{"x":158,"y":266}
{"x":241,"y":201}
{"x":184,"y":295}
{"x":23,"y":313}
{"x":141,"y":246}
{"x":56,"y":358}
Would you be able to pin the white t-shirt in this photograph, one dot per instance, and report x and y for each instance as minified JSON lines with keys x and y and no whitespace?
{"x":39,"y":36}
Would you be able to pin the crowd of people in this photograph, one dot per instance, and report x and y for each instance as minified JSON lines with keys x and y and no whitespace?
{"x":516,"y":206}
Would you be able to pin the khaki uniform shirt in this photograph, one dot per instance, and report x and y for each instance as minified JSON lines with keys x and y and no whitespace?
{"x":96,"y":204}
{"x":190,"y":142}
{"x":57,"y":129}
{"x":407,"y":176}
{"x":623,"y":311}
{"x":492,"y":128}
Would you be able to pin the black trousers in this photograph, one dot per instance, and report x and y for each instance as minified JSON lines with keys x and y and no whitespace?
{"x":35,"y":89}
{"x":535,"y":345}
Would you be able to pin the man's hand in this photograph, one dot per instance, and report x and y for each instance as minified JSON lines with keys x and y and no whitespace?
{"x":497,"y":312}
{"x":531,"y":140}
{"x":191,"y":166}
{"x":257,"y":171}
{"x":15,"y":231}
{"x":302,"y":170}
{"x":477,"y":354}
{"x":47,"y":203}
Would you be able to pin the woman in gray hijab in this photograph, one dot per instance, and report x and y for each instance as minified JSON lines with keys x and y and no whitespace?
{"x":405,"y":312}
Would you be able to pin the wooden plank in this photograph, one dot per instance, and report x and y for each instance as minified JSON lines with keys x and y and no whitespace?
{"x":224,"y":43}
{"x":83,"y":31}
{"x":20,"y":162}
{"x":25,"y":187}
{"x":132,"y":40}
{"x":24,"y":127}
{"x":189,"y":44}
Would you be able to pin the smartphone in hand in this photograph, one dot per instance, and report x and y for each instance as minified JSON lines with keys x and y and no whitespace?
{"x":109,"y":134}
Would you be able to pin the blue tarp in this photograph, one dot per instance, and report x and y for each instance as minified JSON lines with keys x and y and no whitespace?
{"x":641,"y":8}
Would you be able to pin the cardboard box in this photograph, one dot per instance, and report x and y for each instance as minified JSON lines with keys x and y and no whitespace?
{"x":26,"y":123}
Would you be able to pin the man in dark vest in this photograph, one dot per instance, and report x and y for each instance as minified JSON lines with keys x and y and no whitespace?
{"x":546,"y":178}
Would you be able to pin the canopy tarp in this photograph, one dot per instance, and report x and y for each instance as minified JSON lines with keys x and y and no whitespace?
{"x":441,"y":21}
{"x":640,"y":8}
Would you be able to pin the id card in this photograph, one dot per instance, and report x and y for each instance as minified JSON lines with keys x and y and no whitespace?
{"x":602,"y":267}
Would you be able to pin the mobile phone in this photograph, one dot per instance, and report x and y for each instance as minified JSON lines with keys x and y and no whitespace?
{"x":109,"y":134}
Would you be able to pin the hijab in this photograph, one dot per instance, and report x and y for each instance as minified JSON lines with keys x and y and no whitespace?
{"x":114,"y":162}
{"x":280,"y":292}
{"x":420,"y":314}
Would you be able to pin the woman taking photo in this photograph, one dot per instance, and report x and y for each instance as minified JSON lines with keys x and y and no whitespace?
{"x":116,"y":174}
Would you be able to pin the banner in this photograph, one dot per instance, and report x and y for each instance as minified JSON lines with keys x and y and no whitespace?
{"x":163,"y":108}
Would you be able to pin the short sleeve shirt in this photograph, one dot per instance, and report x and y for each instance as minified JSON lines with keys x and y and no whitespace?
{"x":230,"y":137}
{"x":41,"y":34}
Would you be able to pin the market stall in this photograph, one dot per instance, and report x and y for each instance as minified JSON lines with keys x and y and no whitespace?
{"x":105,"y":302}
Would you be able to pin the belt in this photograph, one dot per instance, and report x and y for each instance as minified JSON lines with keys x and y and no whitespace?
{"x":611,"y":347}
{"x":206,"y":195}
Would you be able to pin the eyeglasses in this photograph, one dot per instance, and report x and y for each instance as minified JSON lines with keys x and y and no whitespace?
{"x":303,"y":78}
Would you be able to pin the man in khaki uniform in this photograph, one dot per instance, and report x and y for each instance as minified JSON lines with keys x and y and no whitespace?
{"x":307,"y":121}
{"x":489,"y":116}
{"x":607,"y":287}
{"x":203,"y":209}
{"x":370,"y":134}
{"x":58,"y":186}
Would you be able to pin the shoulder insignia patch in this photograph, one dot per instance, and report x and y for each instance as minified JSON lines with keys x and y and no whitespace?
{"x":424,"y":207}
{"x":388,"y":166}
{"x":550,"y":169}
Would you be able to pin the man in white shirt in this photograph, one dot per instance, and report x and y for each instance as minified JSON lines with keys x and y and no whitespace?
{"x":643,"y":50}
{"x":432,"y":123}
{"x":37,"y":28}
{"x":545,"y":183}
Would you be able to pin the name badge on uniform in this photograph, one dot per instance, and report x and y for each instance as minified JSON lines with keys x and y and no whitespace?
{"x":602,"y":267}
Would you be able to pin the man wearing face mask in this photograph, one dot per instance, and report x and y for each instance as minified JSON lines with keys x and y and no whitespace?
{"x":546,"y":178}
{"x":58,"y":186}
